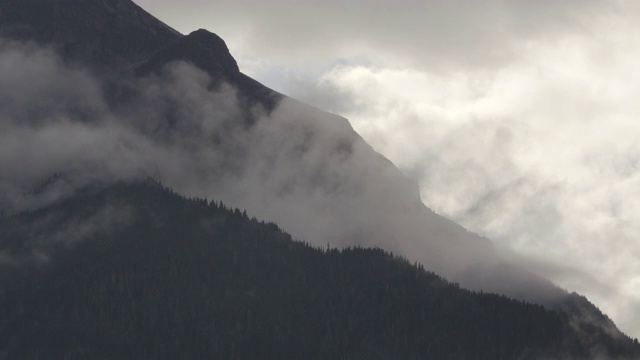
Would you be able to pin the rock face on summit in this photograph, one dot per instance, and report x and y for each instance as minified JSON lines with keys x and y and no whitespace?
{"x":204,"y":49}
{"x":208,"y":52}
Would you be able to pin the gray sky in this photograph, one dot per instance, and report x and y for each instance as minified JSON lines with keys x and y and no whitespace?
{"x":517,"y":118}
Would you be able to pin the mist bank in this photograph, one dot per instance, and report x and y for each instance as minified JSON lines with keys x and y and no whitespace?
{"x":308,"y":171}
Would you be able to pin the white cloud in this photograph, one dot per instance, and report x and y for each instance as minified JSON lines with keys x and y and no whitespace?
{"x":541,"y":155}
{"x":432,"y":32}
{"x":518,"y":118}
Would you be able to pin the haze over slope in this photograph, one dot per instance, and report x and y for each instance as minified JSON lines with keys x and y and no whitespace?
{"x":305,"y":169}
{"x":543,"y":93}
{"x":209,"y":130}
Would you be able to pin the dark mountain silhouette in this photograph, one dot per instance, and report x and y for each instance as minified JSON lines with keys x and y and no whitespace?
{"x":202,"y":48}
{"x":351,"y":195}
{"x":209,"y":52}
{"x":171,"y":277}
{"x":106,"y":34}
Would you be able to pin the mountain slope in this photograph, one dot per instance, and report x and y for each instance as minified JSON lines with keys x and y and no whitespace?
{"x":106,"y":34}
{"x":186,"y":115}
{"x":174,"y":278}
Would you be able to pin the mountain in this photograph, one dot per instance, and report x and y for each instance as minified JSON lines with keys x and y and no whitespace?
{"x":285,"y":152}
{"x":208,"y":52}
{"x":121,"y":96}
{"x":109,"y":34}
{"x":151,"y":274}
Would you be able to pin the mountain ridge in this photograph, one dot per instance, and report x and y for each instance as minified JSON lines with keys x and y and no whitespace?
{"x":82,"y":30}
{"x":204,"y":49}
{"x":208,"y":52}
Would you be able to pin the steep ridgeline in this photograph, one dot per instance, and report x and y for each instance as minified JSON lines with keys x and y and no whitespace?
{"x":178,"y":109}
{"x":106,"y":34}
{"x":136,"y":271}
{"x":207,"y":51}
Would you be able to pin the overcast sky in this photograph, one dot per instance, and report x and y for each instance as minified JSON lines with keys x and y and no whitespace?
{"x":518,"y":118}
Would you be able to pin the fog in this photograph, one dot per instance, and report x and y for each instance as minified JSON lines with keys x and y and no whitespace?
{"x":302,"y":168}
{"x":517,"y":118}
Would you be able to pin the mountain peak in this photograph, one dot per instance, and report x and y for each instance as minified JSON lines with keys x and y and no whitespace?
{"x":214,"y":47}
{"x":202,"y":48}
{"x":206,"y":34}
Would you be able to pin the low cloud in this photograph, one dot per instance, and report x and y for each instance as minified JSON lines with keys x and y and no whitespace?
{"x":300,"y":167}
{"x":516,"y":117}
{"x":540,"y":155}
{"x":424,"y":34}
{"x":304,"y":169}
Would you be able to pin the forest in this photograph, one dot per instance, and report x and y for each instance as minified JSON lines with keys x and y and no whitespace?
{"x":137,"y":271}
